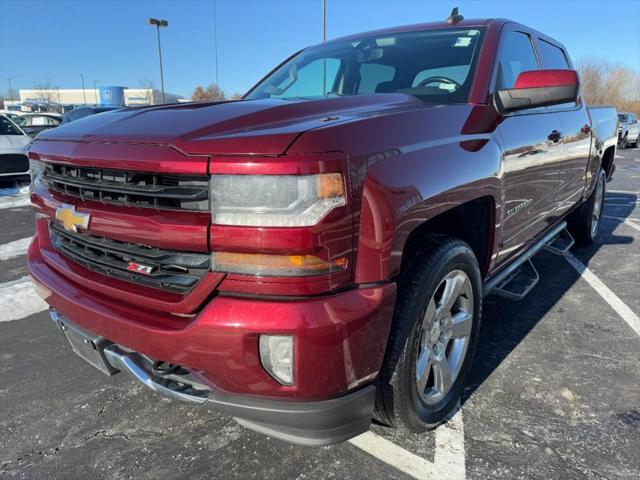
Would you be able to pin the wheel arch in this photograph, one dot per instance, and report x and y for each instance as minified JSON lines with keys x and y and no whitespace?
{"x":472,"y":221}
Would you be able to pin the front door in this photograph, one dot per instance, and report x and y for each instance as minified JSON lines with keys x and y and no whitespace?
{"x":532,"y":154}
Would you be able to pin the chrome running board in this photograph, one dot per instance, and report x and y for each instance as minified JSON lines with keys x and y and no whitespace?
{"x":524,"y":277}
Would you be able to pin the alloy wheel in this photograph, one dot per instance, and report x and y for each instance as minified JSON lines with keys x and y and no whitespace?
{"x":444,"y":337}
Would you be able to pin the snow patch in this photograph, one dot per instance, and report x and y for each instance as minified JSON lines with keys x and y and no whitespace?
{"x":18,"y":299}
{"x":14,"y":249}
{"x":14,"y":197}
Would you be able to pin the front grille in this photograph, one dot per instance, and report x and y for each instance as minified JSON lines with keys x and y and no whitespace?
{"x":135,"y":189}
{"x":171,"y":270}
{"x":13,"y":163}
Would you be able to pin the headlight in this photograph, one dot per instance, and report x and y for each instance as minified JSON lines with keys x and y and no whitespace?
{"x":36,"y":171}
{"x":275,"y":200}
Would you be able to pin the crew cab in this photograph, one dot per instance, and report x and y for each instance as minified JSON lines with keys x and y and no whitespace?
{"x":317,"y":253}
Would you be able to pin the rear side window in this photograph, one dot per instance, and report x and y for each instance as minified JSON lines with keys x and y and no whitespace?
{"x":8,"y":128}
{"x":517,"y":56}
{"x":552,"y":57}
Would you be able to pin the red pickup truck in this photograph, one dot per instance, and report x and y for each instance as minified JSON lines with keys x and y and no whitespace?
{"x":317,"y":253}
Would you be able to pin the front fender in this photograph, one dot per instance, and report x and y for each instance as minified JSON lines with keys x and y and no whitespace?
{"x":405,"y":190}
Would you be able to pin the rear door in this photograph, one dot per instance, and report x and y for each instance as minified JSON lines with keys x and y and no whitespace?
{"x":575,"y":131}
{"x":532,"y":155}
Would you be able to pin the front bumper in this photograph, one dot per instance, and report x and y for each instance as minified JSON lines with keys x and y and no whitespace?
{"x":340,"y":341}
{"x":305,"y":423}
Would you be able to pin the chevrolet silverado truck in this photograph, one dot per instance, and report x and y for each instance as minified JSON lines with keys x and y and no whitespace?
{"x":317,"y":253}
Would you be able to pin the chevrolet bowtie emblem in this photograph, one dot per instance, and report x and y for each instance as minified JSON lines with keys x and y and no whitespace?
{"x":71,"y":219}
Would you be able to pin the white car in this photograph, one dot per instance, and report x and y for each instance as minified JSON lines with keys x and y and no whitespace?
{"x":14,"y":143}
{"x":628,"y":130}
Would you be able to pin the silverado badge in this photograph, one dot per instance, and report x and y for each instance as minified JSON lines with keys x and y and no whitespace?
{"x":72,"y":219}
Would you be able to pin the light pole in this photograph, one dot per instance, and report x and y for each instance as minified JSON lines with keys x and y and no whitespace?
{"x":159,"y":23}
{"x":10,"y":89}
{"x":95,"y":92}
{"x":84,"y":94}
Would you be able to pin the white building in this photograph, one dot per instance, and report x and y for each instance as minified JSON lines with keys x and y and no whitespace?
{"x":53,"y":99}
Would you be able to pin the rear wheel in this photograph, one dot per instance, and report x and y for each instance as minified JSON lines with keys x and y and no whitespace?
{"x":585,"y":223}
{"x":433,"y":337}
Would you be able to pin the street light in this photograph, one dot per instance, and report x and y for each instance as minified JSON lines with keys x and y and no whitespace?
{"x":84,"y":95}
{"x":159,"y":23}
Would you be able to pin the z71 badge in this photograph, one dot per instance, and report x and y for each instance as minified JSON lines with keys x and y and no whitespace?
{"x":139,"y":268}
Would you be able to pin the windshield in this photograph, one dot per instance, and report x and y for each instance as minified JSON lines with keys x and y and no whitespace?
{"x":622,"y":117}
{"x":436,"y":66}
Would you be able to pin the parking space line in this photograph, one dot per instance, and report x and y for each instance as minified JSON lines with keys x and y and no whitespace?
{"x":626,"y":221}
{"x":449,"y":457}
{"x":607,"y":294}
{"x":14,"y":249}
{"x":19,"y":300}
{"x":628,"y":192}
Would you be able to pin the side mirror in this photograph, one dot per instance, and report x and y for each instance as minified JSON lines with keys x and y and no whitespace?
{"x":539,"y":88}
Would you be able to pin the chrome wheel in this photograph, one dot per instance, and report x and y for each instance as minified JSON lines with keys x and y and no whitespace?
{"x":444,"y":337}
{"x":597,"y":207}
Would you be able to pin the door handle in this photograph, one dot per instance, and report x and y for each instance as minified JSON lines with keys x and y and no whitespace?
{"x":555,"y":136}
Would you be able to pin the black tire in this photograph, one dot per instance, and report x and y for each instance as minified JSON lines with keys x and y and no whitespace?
{"x":581,"y":225}
{"x":623,"y":142}
{"x":398,"y":402}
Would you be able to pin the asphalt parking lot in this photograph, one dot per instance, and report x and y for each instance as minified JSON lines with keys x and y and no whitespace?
{"x":555,"y":392}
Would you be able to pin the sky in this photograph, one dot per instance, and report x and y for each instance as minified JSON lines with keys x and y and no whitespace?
{"x":109,"y":41}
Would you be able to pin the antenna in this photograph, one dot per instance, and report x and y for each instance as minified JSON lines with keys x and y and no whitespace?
{"x":454,"y":17}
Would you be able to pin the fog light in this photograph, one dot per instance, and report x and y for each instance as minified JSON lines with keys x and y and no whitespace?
{"x":276,"y":355}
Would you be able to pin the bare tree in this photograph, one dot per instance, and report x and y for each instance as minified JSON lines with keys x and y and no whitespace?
{"x":48,"y":94}
{"x":151,"y":95}
{"x":236,"y":96}
{"x":212,"y":93}
{"x":606,"y":83}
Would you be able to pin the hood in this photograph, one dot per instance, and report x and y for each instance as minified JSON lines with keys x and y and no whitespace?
{"x":14,"y":143}
{"x":264,"y":127}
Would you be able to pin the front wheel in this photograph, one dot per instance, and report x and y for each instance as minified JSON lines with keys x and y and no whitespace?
{"x":433,"y":336}
{"x":623,"y":143}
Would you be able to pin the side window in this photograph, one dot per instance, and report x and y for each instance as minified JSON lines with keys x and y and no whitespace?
{"x":552,"y":57}
{"x":372,"y":75}
{"x":633,"y":118}
{"x":309,"y":81}
{"x":517,"y":56}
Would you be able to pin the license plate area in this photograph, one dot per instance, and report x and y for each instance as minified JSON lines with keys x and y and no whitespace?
{"x":88,"y":346}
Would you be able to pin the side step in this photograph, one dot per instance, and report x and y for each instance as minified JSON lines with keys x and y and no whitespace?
{"x":518,"y":285}
{"x":561,"y":244}
{"x":518,"y":279}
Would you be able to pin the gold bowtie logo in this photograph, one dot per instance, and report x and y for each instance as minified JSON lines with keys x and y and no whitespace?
{"x":71,"y":219}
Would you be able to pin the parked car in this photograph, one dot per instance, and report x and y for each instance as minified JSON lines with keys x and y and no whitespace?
{"x":34,"y":123}
{"x":628,"y":130}
{"x":82,"y":112}
{"x":318,"y":252}
{"x":13,"y":149}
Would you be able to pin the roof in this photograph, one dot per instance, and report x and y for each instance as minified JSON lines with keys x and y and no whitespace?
{"x":424,"y":26}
